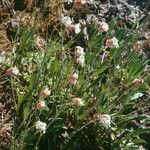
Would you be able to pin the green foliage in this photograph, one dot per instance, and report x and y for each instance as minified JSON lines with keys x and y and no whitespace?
{"x":105,"y":88}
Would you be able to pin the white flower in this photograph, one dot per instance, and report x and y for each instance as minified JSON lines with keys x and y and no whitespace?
{"x":45,"y":93}
{"x":141,"y":148}
{"x":105,"y":120}
{"x":77,"y":102}
{"x":83,"y":1}
{"x":80,"y":60}
{"x":1,"y":59}
{"x":77,"y":28}
{"x":79,"y":51}
{"x":112,"y":43}
{"x":118,"y":67}
{"x":73,"y":79}
{"x":86,"y":36}
{"x":115,"y":42}
{"x":66,"y":20}
{"x":40,"y":105}
{"x":15,"y":70}
{"x":103,"y":27}
{"x":41,"y":126}
{"x":12,"y":71}
{"x":80,"y":1}
{"x":79,"y":55}
{"x":68,"y":1}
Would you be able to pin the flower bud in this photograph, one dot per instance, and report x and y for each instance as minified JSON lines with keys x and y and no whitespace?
{"x":80,"y":1}
{"x":103,"y":27}
{"x":40,"y":105}
{"x":77,"y":28}
{"x":77,"y":102}
{"x":73,"y":79}
{"x":78,"y":4}
{"x":80,"y":60}
{"x":12,"y":71}
{"x":104,"y":119}
{"x":41,"y":126}
{"x":112,"y":43}
{"x":45,"y":93}
{"x":138,"y":81}
{"x":79,"y":55}
{"x":70,"y":27}
{"x":79,"y":51}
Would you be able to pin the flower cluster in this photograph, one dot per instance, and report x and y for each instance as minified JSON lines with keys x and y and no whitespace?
{"x":103,"y":27}
{"x":112,"y":43}
{"x":77,"y":102}
{"x":41,"y":126}
{"x":45,"y":93}
{"x":69,"y":24}
{"x":104,"y":119}
{"x":138,"y":81}
{"x":40,"y":105}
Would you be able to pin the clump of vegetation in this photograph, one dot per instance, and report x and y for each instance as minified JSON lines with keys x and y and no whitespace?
{"x":80,"y":85}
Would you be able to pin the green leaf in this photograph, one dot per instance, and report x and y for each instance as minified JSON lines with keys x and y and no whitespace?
{"x":99,"y":71}
{"x":139,"y":141}
{"x":136,"y":96}
{"x":140,"y":131}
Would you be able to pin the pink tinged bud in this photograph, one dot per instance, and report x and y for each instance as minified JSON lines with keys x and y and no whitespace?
{"x":109,"y":42}
{"x":80,"y":1}
{"x":70,"y":28}
{"x":138,"y":81}
{"x":74,"y":27}
{"x":73,"y":79}
{"x":78,"y":4}
{"x":45,"y":93}
{"x":105,"y":120}
{"x":12,"y":71}
{"x":40,"y":105}
{"x":112,"y":43}
{"x":77,"y":102}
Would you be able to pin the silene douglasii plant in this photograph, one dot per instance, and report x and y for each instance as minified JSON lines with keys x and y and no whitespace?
{"x":77,"y":86}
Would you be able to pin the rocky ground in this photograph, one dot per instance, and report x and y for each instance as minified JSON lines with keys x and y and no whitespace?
{"x":14,"y":12}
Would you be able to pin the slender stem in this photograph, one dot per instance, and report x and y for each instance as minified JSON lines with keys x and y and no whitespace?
{"x":74,"y":134}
